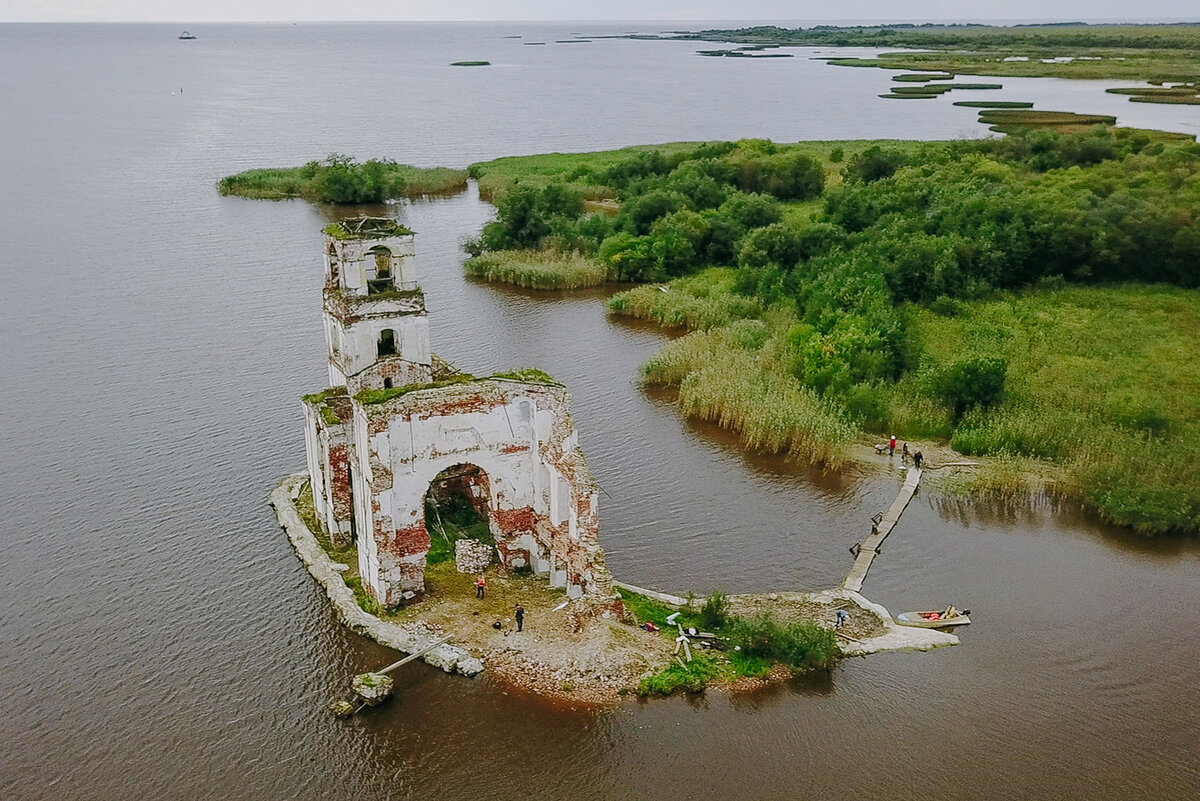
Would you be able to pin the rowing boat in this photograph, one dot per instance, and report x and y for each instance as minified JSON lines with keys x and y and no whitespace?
{"x":932,"y":620}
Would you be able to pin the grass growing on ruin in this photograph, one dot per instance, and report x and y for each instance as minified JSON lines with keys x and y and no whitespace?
{"x":340,"y":179}
{"x":537,"y":269}
{"x":371,"y":397}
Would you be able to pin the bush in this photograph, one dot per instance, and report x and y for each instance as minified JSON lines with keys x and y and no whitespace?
{"x":714,"y":613}
{"x":874,"y":164}
{"x":969,"y":383}
{"x":798,"y":643}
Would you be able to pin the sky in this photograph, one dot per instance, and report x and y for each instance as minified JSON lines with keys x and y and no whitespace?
{"x":801,"y":11}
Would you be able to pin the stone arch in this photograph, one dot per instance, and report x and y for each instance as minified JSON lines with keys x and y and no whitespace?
{"x":456,"y":486}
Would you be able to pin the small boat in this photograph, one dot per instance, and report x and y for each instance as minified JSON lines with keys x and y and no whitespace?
{"x":934,"y":619}
{"x":186,"y":35}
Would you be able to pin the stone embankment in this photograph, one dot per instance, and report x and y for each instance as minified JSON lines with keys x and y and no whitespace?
{"x":408,"y":637}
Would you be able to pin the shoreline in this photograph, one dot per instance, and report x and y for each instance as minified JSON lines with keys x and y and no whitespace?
{"x":547,"y":668}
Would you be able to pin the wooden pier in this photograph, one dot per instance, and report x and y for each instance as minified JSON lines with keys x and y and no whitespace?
{"x":869,"y":548}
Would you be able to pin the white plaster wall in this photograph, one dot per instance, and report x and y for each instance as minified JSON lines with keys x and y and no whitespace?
{"x":358,"y":343}
{"x":357,"y":265}
{"x":316,"y":458}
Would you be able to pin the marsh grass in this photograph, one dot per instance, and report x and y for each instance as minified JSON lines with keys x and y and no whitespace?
{"x":537,"y":269}
{"x":704,"y":300}
{"x":1103,"y":391}
{"x":993,"y":104}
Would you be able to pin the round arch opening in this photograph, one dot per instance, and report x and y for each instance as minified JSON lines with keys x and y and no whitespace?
{"x":458,"y":506}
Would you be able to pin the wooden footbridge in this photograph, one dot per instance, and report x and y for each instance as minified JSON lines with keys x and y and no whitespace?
{"x":869,"y":548}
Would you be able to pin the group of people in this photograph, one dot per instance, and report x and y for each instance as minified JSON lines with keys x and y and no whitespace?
{"x":917,"y":457}
{"x":518,"y":613}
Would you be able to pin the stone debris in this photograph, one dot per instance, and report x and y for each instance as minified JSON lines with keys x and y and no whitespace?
{"x":472,"y":556}
{"x":372,"y":688}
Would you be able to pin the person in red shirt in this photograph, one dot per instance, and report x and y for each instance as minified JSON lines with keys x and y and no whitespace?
{"x":892,"y":446}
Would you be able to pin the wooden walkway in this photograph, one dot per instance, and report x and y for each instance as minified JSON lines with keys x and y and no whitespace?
{"x":870,"y":546}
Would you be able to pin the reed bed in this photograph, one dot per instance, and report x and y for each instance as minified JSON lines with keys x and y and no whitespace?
{"x":1102,"y":386}
{"x":537,"y":269}
{"x":705,"y":300}
{"x":771,"y":412}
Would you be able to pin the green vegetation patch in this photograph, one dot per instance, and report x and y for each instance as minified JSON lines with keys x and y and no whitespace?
{"x":1165,"y":52}
{"x":536,"y":269}
{"x":922,"y":77}
{"x":755,"y":645}
{"x":370,"y":397}
{"x":470,"y":63}
{"x":1102,"y":381}
{"x":993,"y":104}
{"x":530,"y":375}
{"x":1181,"y":100}
{"x":340,"y":179}
{"x":365,"y":228}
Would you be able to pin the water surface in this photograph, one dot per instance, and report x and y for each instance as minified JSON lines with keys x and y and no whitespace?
{"x":161,"y":640}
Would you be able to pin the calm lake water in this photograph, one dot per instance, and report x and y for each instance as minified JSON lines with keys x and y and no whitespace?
{"x":162,"y":641}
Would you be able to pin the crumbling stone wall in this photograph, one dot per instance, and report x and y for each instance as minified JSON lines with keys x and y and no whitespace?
{"x":542,"y":501}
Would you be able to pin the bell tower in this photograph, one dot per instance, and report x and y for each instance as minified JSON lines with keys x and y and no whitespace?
{"x":376,"y":329}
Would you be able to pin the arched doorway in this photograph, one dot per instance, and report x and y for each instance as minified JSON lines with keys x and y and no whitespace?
{"x":458,"y":506}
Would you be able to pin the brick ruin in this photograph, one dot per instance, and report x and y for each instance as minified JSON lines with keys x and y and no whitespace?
{"x":396,"y":419}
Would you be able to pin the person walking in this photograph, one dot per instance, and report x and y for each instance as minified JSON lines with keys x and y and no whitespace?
{"x":917,"y":459}
{"x":520,"y":616}
{"x":904,"y":454}
{"x":892,"y":445}
{"x":479,"y":586}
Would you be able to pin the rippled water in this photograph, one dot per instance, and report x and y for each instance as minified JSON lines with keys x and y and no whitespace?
{"x":162,"y":641}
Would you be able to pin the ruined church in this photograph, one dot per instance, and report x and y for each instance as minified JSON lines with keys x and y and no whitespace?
{"x":396,"y":421}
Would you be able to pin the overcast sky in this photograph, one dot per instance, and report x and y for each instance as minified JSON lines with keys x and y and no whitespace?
{"x":801,"y":10}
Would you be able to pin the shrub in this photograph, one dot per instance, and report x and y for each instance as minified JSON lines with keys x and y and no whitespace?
{"x":874,"y":164}
{"x":798,"y":643}
{"x":972,"y":382}
{"x":714,"y":613}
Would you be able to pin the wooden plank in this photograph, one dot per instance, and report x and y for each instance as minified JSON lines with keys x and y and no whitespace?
{"x":869,"y":548}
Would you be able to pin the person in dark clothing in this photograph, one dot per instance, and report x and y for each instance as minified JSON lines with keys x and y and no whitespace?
{"x":904,"y":454}
{"x":520,"y":616}
{"x":917,"y":459}
{"x":479,"y":586}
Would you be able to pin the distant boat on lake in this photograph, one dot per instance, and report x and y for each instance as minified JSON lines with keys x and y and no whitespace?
{"x":186,"y":35}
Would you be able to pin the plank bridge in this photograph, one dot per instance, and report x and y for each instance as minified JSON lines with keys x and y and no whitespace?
{"x":869,"y":548}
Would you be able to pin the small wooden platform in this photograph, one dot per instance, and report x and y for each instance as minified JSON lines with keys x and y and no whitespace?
{"x":870,"y":546}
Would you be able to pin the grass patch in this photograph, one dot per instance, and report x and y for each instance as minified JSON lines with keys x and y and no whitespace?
{"x":922,"y":77}
{"x":760,"y":644}
{"x":993,"y":104}
{"x":1102,"y":393}
{"x":529,"y":374}
{"x":705,"y":300}
{"x":537,"y":269}
{"x":340,"y":179}
{"x":369,"y":397}
{"x":470,"y":63}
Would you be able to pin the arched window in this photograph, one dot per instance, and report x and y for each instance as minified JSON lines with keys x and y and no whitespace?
{"x":379,"y":270}
{"x":387,"y":342}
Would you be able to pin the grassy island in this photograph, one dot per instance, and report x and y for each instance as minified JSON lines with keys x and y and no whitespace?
{"x":1163,"y":53}
{"x":1029,"y":299}
{"x":341,"y":179}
